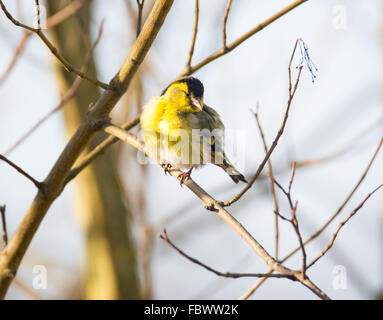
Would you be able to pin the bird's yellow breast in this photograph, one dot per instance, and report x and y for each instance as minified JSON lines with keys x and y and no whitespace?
{"x":166,"y":132}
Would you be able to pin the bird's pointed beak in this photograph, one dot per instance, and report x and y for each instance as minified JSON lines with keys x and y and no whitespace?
{"x":197,"y":103}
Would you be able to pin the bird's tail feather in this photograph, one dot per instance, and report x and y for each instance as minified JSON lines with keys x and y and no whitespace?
{"x":234,"y":174}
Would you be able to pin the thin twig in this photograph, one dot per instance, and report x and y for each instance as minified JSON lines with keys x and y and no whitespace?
{"x":292,"y":176}
{"x":292,"y":91}
{"x":140,"y":5}
{"x":230,"y":47}
{"x":67,"y":97}
{"x":83,"y":30}
{"x":65,"y":13}
{"x":29,"y":177}
{"x":352,"y":143}
{"x":38,"y":14}
{"x":52,"y":21}
{"x":31,"y":292}
{"x":4,"y":234}
{"x":340,"y":226}
{"x":294,"y":221}
{"x":272,"y":186}
{"x":194,"y":38}
{"x":52,"y":48}
{"x":164,"y":236}
{"x":345,"y":202}
{"x":224,"y":24}
{"x":17,"y":53}
{"x":250,"y":291}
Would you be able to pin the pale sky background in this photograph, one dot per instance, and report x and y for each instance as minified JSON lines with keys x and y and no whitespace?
{"x":345,"y":100}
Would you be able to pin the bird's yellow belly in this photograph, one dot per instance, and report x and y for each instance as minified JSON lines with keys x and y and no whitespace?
{"x":177,"y":147}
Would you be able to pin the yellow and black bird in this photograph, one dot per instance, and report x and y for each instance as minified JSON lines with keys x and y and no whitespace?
{"x":181,"y":131}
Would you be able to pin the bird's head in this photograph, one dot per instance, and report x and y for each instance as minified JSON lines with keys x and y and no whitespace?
{"x":185,"y":94}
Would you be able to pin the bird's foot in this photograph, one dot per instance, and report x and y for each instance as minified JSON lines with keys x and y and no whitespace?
{"x":166,"y":168}
{"x":184,"y":176}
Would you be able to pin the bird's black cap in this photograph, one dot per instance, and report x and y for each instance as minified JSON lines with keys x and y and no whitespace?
{"x":195,"y":86}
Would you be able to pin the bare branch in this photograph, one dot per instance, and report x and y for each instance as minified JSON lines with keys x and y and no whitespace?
{"x":292,"y":90}
{"x":272,"y":186}
{"x":241,"y":39}
{"x":346,"y":201}
{"x":32,"y":293}
{"x":351,"y":143}
{"x":111,"y":140}
{"x":140,"y":5}
{"x":52,"y":21}
{"x":67,"y":97}
{"x":292,"y":176}
{"x":51,"y":47}
{"x":4,"y":234}
{"x":340,"y":226}
{"x":294,"y":220}
{"x":194,"y":37}
{"x":29,"y":177}
{"x":213,"y":205}
{"x":317,"y":233}
{"x":164,"y":236}
{"x":224,"y":45}
{"x":17,"y":53}
{"x":65,"y":13}
{"x":37,"y":3}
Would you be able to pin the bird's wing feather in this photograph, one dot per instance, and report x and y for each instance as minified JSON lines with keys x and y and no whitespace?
{"x":211,"y":129}
{"x":215,"y":123}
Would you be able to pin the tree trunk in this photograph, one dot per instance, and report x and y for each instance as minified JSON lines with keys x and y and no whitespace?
{"x":111,"y":270}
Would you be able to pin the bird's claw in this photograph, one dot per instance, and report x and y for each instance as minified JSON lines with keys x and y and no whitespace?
{"x":166,"y":168}
{"x":184,"y":176}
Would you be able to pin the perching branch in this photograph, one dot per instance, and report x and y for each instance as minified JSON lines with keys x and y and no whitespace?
{"x":97,"y":151}
{"x":96,"y":119}
{"x":213,"y":205}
